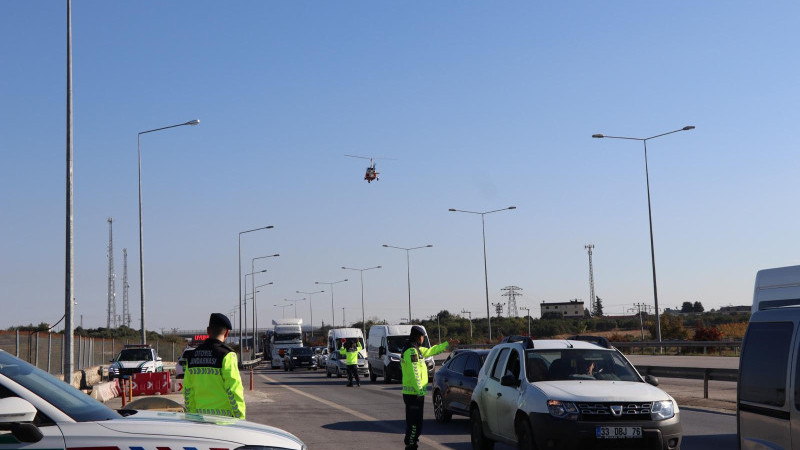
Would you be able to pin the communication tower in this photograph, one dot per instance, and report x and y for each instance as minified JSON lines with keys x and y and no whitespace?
{"x":126,"y":313}
{"x":111,"y":320}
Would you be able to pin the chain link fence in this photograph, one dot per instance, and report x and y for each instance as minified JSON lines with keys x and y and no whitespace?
{"x":46,"y":350}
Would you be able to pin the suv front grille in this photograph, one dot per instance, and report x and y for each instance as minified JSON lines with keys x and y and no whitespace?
{"x":612,"y":411}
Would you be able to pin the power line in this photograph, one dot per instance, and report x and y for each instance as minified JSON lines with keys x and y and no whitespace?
{"x":512,"y":294}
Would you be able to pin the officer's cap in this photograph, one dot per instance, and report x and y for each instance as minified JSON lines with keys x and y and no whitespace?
{"x":219,"y":320}
{"x":417,"y":331}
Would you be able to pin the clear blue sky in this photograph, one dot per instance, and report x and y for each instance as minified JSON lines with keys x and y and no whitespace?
{"x":482,"y":104}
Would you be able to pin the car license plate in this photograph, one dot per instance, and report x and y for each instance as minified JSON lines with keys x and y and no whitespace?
{"x":619,"y":432}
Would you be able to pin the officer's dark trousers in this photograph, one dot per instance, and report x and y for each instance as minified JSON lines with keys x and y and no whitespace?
{"x":414,"y":408}
{"x":352,"y":372}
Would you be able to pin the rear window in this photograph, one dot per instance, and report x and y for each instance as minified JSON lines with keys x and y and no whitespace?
{"x":762,"y":367}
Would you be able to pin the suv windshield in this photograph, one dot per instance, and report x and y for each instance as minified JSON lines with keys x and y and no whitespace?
{"x":578,"y":364}
{"x":74,"y":403}
{"x":300,"y":351}
{"x":135,"y":354}
{"x":397,"y":344}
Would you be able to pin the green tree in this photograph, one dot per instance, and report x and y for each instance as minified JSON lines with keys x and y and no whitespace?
{"x":698,"y":307}
{"x":598,"y":307}
{"x":687,"y":307}
{"x":671,"y":328}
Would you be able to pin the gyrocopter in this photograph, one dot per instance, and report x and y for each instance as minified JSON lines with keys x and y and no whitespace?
{"x":371,"y":173}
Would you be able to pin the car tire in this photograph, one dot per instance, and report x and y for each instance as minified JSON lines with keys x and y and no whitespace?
{"x":327,"y":373}
{"x":285,"y":369}
{"x":372,"y":376}
{"x":478,"y":439}
{"x":339,"y":373}
{"x":387,"y":378}
{"x":524,"y":434}
{"x":442,"y":415}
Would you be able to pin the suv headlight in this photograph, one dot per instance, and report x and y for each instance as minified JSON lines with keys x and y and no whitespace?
{"x":663,"y":410}
{"x":562,"y":410}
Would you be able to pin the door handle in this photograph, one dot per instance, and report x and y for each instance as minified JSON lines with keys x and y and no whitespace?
{"x":486,"y":389}
{"x":499,"y":394}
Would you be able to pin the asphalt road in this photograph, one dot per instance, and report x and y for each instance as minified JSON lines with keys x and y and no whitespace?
{"x":326,"y":414}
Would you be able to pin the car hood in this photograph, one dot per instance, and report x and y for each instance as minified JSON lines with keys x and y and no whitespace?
{"x":601,"y":391}
{"x":203,"y":426}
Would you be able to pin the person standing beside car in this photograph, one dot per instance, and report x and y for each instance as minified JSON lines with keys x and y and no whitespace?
{"x":415,"y":382}
{"x":212,"y":384}
{"x":351,"y":353}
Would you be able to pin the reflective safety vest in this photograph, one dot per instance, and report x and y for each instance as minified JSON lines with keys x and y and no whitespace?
{"x":211,"y":382}
{"x":352,"y":356}
{"x":415,"y":372}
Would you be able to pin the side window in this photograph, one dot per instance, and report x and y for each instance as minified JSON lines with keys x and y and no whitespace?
{"x":457,"y":365}
{"x":512,"y":368}
{"x":762,"y":375}
{"x":500,"y":364}
{"x":474,"y":363}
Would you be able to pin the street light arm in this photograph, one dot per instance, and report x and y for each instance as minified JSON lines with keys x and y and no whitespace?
{"x":256,"y":229}
{"x":191,"y":122}
{"x":686,"y":128}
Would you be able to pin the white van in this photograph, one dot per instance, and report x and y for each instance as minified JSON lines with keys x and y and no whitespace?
{"x":768,"y":395}
{"x":351,"y":335}
{"x":384,"y":347}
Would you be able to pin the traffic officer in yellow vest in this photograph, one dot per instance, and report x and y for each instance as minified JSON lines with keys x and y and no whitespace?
{"x":211,"y":383}
{"x":415,"y":382}
{"x":351,"y":353}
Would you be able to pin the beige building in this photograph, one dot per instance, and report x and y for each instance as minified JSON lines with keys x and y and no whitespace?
{"x":572,"y":308}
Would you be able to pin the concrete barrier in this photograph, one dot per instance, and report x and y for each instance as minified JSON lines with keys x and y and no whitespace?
{"x":106,"y":391}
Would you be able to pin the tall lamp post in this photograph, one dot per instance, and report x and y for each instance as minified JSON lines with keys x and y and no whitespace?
{"x":464,"y":311}
{"x":241,"y":336}
{"x":333,"y":318}
{"x":649,"y":211}
{"x":255,"y":316}
{"x":363,"y":316}
{"x":408,"y":270}
{"x":141,"y":251}
{"x":295,"y":303}
{"x":310,"y":309}
{"x":283,"y":309}
{"x":251,"y":274}
{"x":253,"y":280}
{"x":485,"y":271}
{"x":528,"y":310}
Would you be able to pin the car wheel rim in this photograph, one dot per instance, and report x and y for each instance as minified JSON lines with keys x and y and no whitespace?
{"x":438,"y":407}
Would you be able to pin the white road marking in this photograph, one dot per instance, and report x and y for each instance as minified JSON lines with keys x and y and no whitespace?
{"x":347,"y":410}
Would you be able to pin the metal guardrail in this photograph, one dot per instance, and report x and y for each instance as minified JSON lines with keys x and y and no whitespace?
{"x":691,"y":373}
{"x":736,"y":346}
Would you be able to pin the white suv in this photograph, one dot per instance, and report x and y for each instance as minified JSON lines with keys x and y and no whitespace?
{"x":134,"y":359}
{"x":569,"y":394}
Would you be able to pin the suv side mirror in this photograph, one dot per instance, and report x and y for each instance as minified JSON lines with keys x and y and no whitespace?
{"x":649,"y":379}
{"x":158,"y":359}
{"x":509,"y":380}
{"x":470,"y":373}
{"x":381,"y":350}
{"x":15,"y":409}
{"x":111,"y":360}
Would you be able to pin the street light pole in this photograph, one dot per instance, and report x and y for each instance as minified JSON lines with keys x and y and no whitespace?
{"x":408,"y":270}
{"x":649,"y":212}
{"x":333,"y":315}
{"x":295,"y":304}
{"x":253,"y":280}
{"x":310,"y":309}
{"x":529,"y":319}
{"x":241,"y":336}
{"x":141,"y":251}
{"x":464,"y":311}
{"x":252,"y":275}
{"x":283,"y":309}
{"x":485,"y":271}
{"x":363,"y":316}
{"x":255,"y":316}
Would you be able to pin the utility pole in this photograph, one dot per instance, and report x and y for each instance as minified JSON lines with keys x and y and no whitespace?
{"x":464,"y":311}
{"x":512,"y":294}
{"x":498,"y":308}
{"x":111,"y":309}
{"x":126,"y":313}
{"x":592,"y":298}
{"x":528,"y":310}
{"x":638,"y":307}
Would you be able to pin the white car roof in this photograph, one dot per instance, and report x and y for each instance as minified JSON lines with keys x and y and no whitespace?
{"x":555,"y":344}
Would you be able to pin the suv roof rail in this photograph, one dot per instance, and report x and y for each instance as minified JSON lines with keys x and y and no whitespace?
{"x":596,"y":340}
{"x":137,"y":346}
{"x":526,"y":341}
